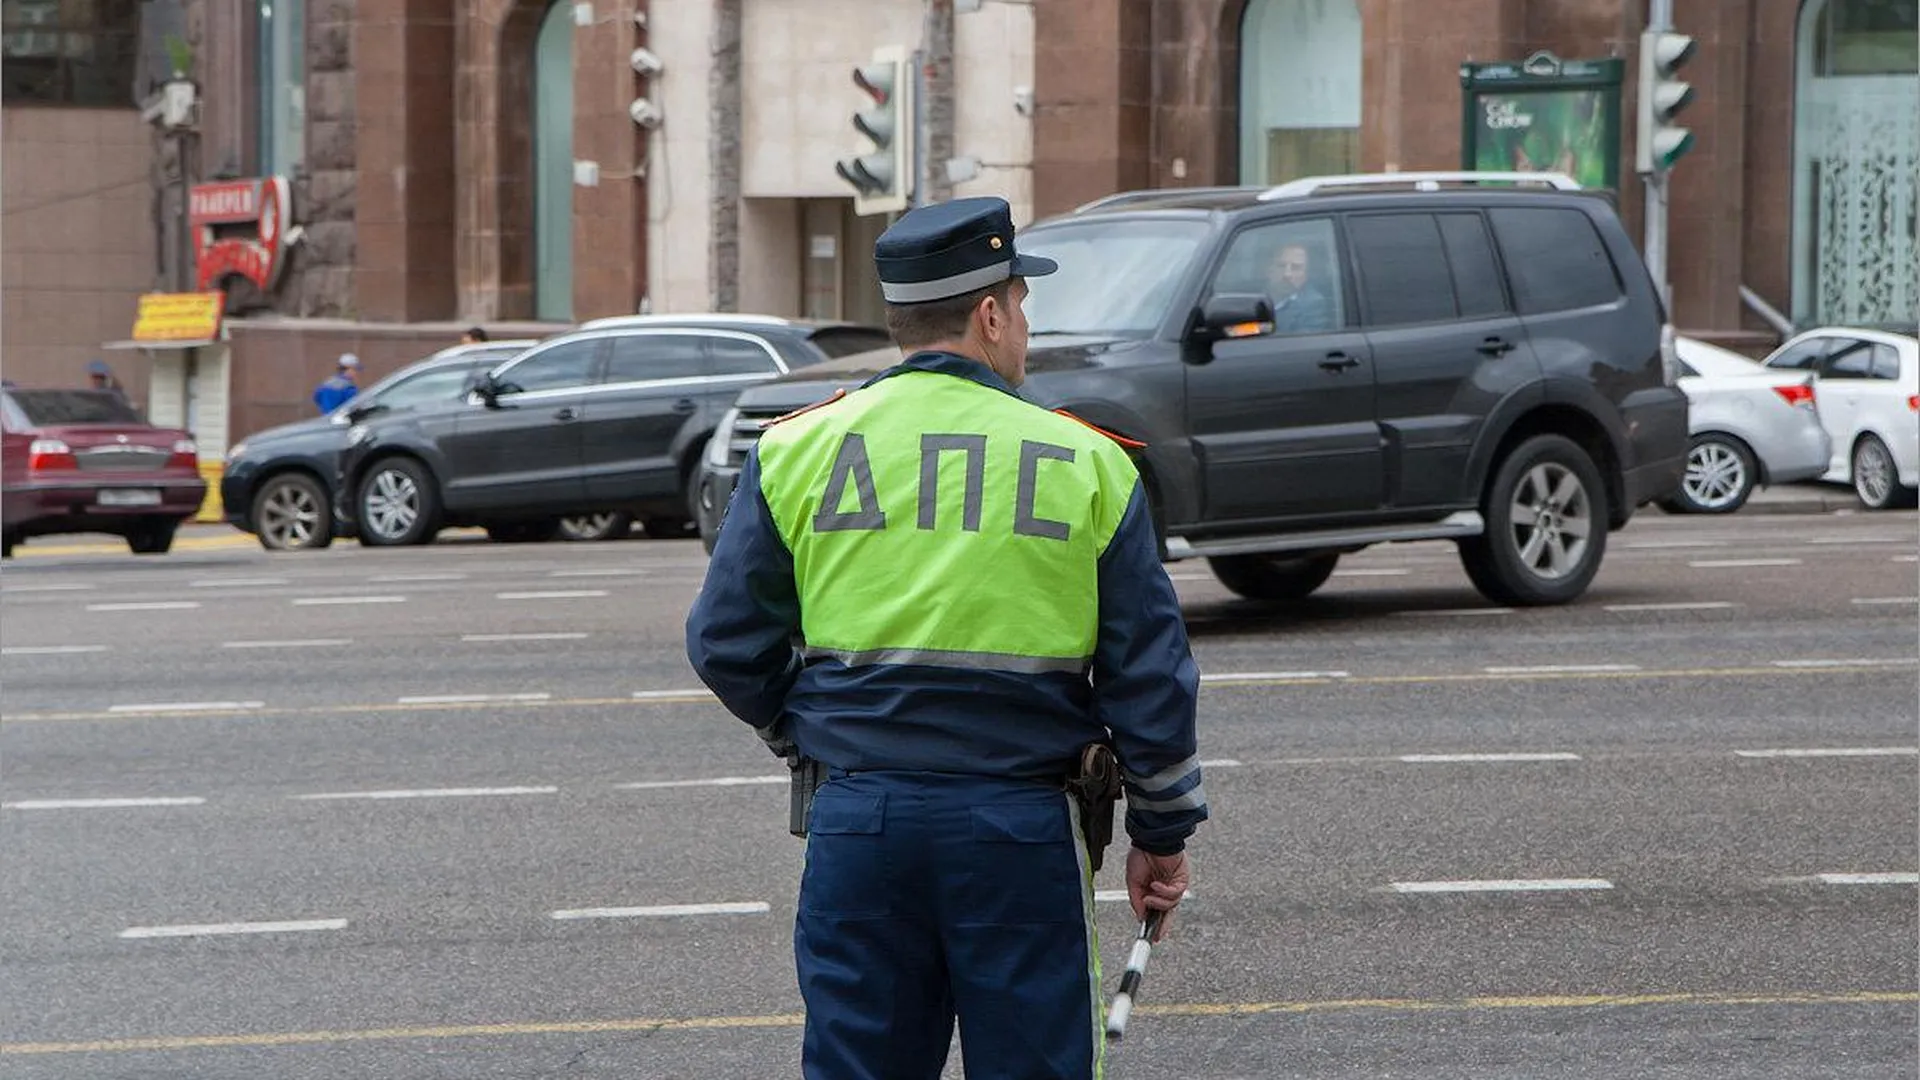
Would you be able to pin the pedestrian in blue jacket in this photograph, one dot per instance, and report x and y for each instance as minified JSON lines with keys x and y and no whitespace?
{"x":341,"y":387}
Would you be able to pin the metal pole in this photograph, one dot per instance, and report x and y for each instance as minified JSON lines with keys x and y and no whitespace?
{"x":1654,"y":185}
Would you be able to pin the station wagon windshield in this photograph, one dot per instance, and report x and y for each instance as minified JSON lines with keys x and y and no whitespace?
{"x":1116,"y":278}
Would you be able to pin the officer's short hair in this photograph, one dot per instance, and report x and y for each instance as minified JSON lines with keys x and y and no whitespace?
{"x":915,"y":326}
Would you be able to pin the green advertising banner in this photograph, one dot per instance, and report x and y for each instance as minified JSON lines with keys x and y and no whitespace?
{"x":1543,"y":115}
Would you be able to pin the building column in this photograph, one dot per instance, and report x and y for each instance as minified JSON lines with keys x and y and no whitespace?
{"x":609,"y":219}
{"x":403,"y":211}
{"x":1093,"y":101}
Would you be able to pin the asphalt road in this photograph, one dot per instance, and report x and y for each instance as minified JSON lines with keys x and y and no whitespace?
{"x":463,"y":811}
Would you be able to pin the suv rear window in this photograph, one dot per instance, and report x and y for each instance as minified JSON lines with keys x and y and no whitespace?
{"x":1555,"y":259}
{"x":48,"y":407}
{"x":838,"y":341}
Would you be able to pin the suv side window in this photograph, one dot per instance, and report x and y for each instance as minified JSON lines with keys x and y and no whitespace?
{"x":441,"y":384}
{"x":1403,"y":269}
{"x":651,"y":357}
{"x":1294,"y":263}
{"x":1555,"y":259}
{"x":561,"y":367}
{"x":733,"y":356}
{"x":1476,"y":275}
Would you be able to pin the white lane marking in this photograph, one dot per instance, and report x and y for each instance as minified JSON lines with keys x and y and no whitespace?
{"x":716,"y":781}
{"x":1906,"y":558}
{"x":551,"y":594}
{"x":1851,"y":661}
{"x":1734,"y":564}
{"x":44,"y":588}
{"x":1119,"y":896}
{"x":148,"y":605}
{"x":754,"y":907}
{"x":187,"y":706}
{"x":304,"y":643}
{"x":595,"y":573}
{"x":470,"y":699}
{"x":50,"y":650}
{"x":647,"y":695}
{"x":427,"y":793}
{"x":1893,"y":878}
{"x":394,"y":579}
{"x":1698,"y":605}
{"x":1664,"y":545}
{"x":316,"y":601}
{"x":207,"y":929}
{"x":1861,"y":540}
{"x":1886,"y":600}
{"x":236,"y":583}
{"x":1451,"y":612}
{"x":1508,"y":885}
{"x":1559,"y":669}
{"x":1262,"y":676}
{"x":1222,"y":763}
{"x":1831,"y":751}
{"x":1189,"y":577}
{"x":571,"y":636}
{"x":102,"y":804}
{"x":1557,"y":755}
{"x":1372,"y":572}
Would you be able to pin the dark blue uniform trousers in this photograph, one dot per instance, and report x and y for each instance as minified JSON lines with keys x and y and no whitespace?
{"x":931,"y":894}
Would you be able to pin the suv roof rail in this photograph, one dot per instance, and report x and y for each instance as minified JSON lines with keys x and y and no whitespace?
{"x":1421,"y":181}
{"x":610,"y":322}
{"x":1121,"y":198}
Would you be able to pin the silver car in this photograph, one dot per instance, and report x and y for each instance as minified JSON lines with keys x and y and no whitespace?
{"x":1749,"y":426}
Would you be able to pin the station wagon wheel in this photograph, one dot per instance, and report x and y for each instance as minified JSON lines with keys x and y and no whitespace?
{"x":292,"y":513}
{"x":1876,"y":480}
{"x":1546,"y":525}
{"x":399,"y":504}
{"x":1720,"y":475}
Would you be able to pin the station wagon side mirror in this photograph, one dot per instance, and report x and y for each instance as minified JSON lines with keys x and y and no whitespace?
{"x":1227,"y":316}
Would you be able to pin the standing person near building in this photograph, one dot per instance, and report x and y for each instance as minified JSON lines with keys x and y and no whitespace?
{"x":474,"y":335}
{"x":946,"y":595}
{"x":100,"y":377}
{"x":340,"y":387}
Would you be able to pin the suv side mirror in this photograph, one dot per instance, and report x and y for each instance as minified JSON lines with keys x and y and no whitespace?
{"x":361,"y":410}
{"x":481,"y":382}
{"x":1234,"y":315}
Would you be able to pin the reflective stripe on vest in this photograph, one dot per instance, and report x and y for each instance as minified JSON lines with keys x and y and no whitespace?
{"x":934,"y":520}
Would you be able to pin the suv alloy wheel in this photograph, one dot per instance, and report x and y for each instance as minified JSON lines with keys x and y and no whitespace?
{"x":1546,"y":513}
{"x":292,"y":513}
{"x":398,"y":504}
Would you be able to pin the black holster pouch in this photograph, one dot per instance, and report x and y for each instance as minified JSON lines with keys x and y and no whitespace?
{"x":807,"y":777}
{"x":1095,"y":787}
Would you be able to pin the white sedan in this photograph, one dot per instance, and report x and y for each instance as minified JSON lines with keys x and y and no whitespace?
{"x":1869,"y":387}
{"x":1749,"y":427}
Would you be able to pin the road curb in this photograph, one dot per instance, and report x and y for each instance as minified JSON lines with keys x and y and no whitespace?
{"x":1794,"y":499}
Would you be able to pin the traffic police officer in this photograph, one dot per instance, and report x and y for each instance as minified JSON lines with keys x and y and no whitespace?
{"x":943,"y":593}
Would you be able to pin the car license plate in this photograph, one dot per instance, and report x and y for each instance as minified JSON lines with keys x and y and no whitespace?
{"x":128,"y":497}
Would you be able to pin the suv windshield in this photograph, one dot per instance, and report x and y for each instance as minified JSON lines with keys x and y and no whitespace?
{"x":1116,"y":277}
{"x":48,"y":407}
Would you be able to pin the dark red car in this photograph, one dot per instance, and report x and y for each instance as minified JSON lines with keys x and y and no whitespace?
{"x":78,"y":461}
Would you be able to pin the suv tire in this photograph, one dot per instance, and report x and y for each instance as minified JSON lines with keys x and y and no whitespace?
{"x":1273,"y":577}
{"x":398,"y":504}
{"x":291,"y":512}
{"x":1550,"y":555}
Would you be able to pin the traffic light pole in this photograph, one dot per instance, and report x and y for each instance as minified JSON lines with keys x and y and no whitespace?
{"x":1654,"y":184}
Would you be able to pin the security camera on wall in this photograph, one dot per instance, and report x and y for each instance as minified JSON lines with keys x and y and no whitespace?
{"x":645,"y":62}
{"x":645,"y":113}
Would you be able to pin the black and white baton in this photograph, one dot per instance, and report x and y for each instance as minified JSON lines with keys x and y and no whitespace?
{"x":1136,"y":970}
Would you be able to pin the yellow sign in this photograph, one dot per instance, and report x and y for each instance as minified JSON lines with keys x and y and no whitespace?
{"x":179,"y":317}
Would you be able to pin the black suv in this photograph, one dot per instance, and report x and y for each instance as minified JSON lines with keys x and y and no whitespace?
{"x":1345,"y":361}
{"x":607,"y":419}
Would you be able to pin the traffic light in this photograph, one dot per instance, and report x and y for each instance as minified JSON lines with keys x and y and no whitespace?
{"x":883,"y":179}
{"x":1659,"y":143}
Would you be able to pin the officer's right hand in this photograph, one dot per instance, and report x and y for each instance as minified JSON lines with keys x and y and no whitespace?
{"x":1156,"y":882}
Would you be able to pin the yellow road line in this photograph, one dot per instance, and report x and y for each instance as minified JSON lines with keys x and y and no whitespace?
{"x":1237,"y":684}
{"x":119,"y":547}
{"x":787,"y":1020}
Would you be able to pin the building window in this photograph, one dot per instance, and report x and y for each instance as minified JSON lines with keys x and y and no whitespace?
{"x":1299,"y":89}
{"x":283,"y":86}
{"x":69,"y":52}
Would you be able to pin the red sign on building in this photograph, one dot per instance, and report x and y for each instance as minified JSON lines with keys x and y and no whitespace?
{"x":239,"y":227}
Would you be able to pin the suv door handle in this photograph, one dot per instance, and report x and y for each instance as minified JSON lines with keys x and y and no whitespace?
{"x":1338,"y":362}
{"x":1496,"y":346}
{"x":685,"y":405}
{"x":564,"y":412}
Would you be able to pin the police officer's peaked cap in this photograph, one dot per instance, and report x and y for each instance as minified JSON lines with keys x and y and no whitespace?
{"x":951,"y":249}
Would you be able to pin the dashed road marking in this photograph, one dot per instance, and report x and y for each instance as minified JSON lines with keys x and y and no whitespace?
{"x":1668,"y":545}
{"x":1854,"y":661}
{"x":1557,"y":755}
{"x":470,"y":699}
{"x":237,"y":583}
{"x":1831,"y":752}
{"x":1222,"y":763}
{"x":186,"y":706}
{"x":1851,"y":540}
{"x":671,"y":695}
{"x":1886,"y":600}
{"x":1895,"y":878}
{"x":394,"y":579}
{"x":752,"y":907}
{"x":1739,"y":564}
{"x":1271,"y":676}
{"x":102,"y":804}
{"x":1504,"y":885}
{"x":1695,"y":605}
{"x":426,"y":793}
{"x":301,"y":643}
{"x":1906,"y":558}
{"x":292,"y":926}
{"x":147,"y":605}
{"x":591,"y":573}
{"x":50,"y":650}
{"x":1372,"y":571}
{"x":324,"y":601}
{"x":1457,"y":612}
{"x":1559,"y":669}
{"x":551,"y":594}
{"x":714,"y":781}
{"x":74,"y":587}
{"x":556,"y":636}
